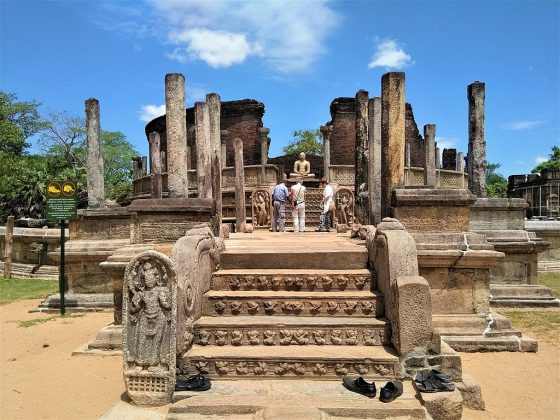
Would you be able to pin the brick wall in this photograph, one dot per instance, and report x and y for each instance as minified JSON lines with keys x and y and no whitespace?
{"x":343,"y":137}
{"x":414,"y":139}
{"x":241,"y":118}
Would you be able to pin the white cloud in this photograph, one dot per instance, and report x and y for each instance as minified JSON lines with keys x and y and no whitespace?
{"x":390,"y":54}
{"x":446,"y":142}
{"x":216,"y":48}
{"x":149,"y":112}
{"x":540,"y":159}
{"x":520,"y":125}
{"x":289,"y":36}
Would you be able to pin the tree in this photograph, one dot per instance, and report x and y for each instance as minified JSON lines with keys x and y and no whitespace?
{"x":552,"y":163}
{"x":18,"y":122}
{"x":308,"y":141}
{"x":496,"y":183}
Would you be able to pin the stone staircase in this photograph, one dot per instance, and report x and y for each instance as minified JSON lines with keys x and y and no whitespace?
{"x":286,"y":310}
{"x":313,"y":208}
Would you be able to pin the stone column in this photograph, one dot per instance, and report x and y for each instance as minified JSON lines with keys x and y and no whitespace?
{"x":461,"y":167}
{"x":460,"y":162}
{"x":477,"y":143}
{"x":430,"y":161}
{"x":438,"y":157}
{"x":374,"y":166}
{"x":136,"y":167}
{"x":176,"y":134}
{"x":407,"y":155}
{"x":362,"y":147}
{"x":155,"y":165}
{"x":326,"y":131}
{"x":214,"y":108}
{"x":263,"y":135}
{"x":224,"y":134}
{"x":144,"y":166}
{"x":392,"y":136}
{"x":8,"y":247}
{"x":240,"y":216}
{"x":163,"y":161}
{"x":203,"y":150}
{"x":94,"y":164}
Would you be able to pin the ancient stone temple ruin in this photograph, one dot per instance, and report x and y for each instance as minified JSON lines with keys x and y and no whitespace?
{"x":201,"y":286}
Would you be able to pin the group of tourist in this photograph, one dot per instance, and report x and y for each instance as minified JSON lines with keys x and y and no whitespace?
{"x":295,"y":198}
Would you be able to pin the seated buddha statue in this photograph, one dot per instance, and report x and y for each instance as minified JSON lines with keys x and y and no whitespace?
{"x":302,"y":168}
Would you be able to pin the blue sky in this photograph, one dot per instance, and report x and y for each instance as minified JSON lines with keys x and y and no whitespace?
{"x":295,"y":57}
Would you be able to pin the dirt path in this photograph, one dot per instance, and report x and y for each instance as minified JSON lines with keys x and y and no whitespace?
{"x":46,"y":382}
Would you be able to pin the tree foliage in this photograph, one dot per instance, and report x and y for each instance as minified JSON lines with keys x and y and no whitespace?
{"x":552,"y":163}
{"x":62,"y":138}
{"x":496,"y":183}
{"x":18,"y":122}
{"x":308,"y":141}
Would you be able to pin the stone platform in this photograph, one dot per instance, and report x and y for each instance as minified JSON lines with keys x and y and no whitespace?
{"x":288,"y":399}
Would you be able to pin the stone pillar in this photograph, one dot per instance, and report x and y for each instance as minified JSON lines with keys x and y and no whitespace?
{"x":362,"y":147}
{"x":438,"y":157}
{"x":155,"y":165}
{"x":240,"y":216}
{"x":392,"y":136}
{"x":477,"y":143}
{"x":203,"y":150}
{"x":430,"y":161}
{"x":163,"y":161}
{"x":224,"y":134}
{"x":144,"y":166}
{"x":326,"y":131}
{"x":263,"y":135}
{"x":449,"y":159}
{"x":374,"y":166}
{"x":214,"y":107}
{"x":136,"y":171}
{"x":460,"y":162}
{"x":94,"y":164}
{"x":176,"y":134}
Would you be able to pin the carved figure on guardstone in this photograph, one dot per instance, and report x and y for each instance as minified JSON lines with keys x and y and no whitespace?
{"x":261,"y":208}
{"x":344,"y":199}
{"x":149,"y":328}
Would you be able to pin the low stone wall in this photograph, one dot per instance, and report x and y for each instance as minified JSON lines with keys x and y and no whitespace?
{"x":24,"y":237}
{"x":549,"y":231}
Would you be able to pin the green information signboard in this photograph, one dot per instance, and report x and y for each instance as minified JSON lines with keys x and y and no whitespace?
{"x":61,"y":201}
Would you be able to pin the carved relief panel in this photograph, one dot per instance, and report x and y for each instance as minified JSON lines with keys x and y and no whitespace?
{"x":344,"y":206}
{"x":260,"y":204}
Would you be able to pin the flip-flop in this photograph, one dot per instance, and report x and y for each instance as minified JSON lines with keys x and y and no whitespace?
{"x":424,"y":375}
{"x":434,"y":385}
{"x":196,"y":382}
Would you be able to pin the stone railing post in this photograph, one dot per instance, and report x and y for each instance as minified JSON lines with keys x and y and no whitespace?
{"x":155,"y":165}
{"x":263,"y":136}
{"x":224,"y":136}
{"x":214,"y":107}
{"x":94,"y":163}
{"x":430,"y":156}
{"x":326,"y":131}
{"x":240,"y":210}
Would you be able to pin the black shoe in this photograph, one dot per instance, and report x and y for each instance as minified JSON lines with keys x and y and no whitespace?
{"x":194,"y":383}
{"x":424,"y":375}
{"x":360,"y":386}
{"x":391,"y":391}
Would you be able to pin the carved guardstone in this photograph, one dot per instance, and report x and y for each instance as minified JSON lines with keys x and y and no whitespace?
{"x":149,"y":328}
{"x":260,"y":203}
{"x":344,"y":210}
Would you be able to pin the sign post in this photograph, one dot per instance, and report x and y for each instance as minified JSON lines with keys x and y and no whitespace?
{"x":62,"y":205}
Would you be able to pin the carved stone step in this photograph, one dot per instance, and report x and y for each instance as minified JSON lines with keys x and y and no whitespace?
{"x":313,"y":362}
{"x":277,"y":330}
{"x":292,"y":280}
{"x":341,"y":304}
{"x":304,"y":257}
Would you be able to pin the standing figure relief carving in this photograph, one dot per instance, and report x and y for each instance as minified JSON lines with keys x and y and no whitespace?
{"x":149,"y":315}
{"x":260,"y":201}
{"x":344,"y":206}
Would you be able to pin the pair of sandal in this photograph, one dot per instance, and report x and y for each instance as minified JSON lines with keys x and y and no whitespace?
{"x":196,"y":382}
{"x":433,"y":381}
{"x":391,"y":391}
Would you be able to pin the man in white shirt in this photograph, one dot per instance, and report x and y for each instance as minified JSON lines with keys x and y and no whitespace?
{"x":324,"y":220}
{"x":298,"y":211}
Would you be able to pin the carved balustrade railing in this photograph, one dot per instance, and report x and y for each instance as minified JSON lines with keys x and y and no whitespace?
{"x":444,"y":178}
{"x":342,"y":175}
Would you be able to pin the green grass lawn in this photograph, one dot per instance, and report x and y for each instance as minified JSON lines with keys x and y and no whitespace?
{"x":551,"y":280}
{"x":17,"y":289}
